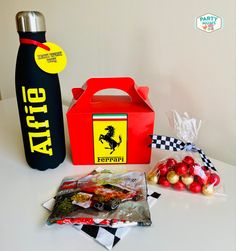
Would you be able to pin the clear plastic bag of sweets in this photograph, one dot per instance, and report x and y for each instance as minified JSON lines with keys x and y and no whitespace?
{"x":187,"y":168}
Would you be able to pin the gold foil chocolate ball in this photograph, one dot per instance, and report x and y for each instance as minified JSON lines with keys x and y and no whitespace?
{"x":153,"y":179}
{"x":187,"y":179}
{"x":172,"y":177}
{"x":208,"y":190}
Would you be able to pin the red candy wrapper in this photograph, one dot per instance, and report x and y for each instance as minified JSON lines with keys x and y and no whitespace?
{"x":102,"y":199}
{"x":187,"y":168}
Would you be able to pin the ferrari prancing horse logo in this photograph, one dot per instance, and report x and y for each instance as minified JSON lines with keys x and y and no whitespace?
{"x":110,"y":138}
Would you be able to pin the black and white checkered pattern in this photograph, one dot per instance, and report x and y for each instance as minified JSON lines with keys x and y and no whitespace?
{"x":206,"y":161}
{"x":173,"y":144}
{"x":106,"y":236}
{"x":166,"y":143}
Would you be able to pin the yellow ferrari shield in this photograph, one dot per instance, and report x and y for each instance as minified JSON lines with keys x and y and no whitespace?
{"x":110,"y":138}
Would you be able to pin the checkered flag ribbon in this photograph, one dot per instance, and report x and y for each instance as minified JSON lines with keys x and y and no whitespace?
{"x":173,"y":144}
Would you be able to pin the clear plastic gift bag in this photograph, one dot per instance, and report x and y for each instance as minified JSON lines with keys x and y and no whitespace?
{"x":187,"y":168}
{"x":102,"y":199}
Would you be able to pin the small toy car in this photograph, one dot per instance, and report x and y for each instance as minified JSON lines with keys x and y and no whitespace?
{"x":102,"y":197}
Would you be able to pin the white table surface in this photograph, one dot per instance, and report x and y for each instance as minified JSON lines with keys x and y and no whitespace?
{"x":181,"y":221}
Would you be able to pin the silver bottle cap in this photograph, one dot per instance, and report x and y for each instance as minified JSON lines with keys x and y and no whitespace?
{"x":30,"y":21}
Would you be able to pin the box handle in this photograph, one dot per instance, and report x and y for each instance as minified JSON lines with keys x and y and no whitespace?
{"x":125,"y":84}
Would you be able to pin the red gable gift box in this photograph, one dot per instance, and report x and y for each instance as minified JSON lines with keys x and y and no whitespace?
{"x":109,"y":129}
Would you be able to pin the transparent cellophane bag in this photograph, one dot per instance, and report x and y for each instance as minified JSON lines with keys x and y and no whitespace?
{"x":184,"y":170}
{"x":103,"y":198}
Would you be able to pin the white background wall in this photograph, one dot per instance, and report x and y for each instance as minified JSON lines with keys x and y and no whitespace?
{"x":153,"y":41}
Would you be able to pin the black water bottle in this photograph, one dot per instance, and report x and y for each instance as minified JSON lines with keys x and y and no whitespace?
{"x":38,"y":97}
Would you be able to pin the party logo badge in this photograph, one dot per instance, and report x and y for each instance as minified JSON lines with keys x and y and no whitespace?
{"x":110,"y":138}
{"x":209,"y":23}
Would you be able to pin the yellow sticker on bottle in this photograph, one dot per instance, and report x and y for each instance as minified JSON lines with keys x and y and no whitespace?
{"x":51,"y":61}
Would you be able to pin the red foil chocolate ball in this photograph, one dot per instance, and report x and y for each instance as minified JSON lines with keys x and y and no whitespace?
{"x":171,"y":162}
{"x":195,"y":187}
{"x":179,"y":186}
{"x":200,"y":180}
{"x":191,"y":170}
{"x":214,"y":179}
{"x":162,"y":168}
{"x":163,"y":181}
{"x":181,"y":168}
{"x":188,"y":160}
